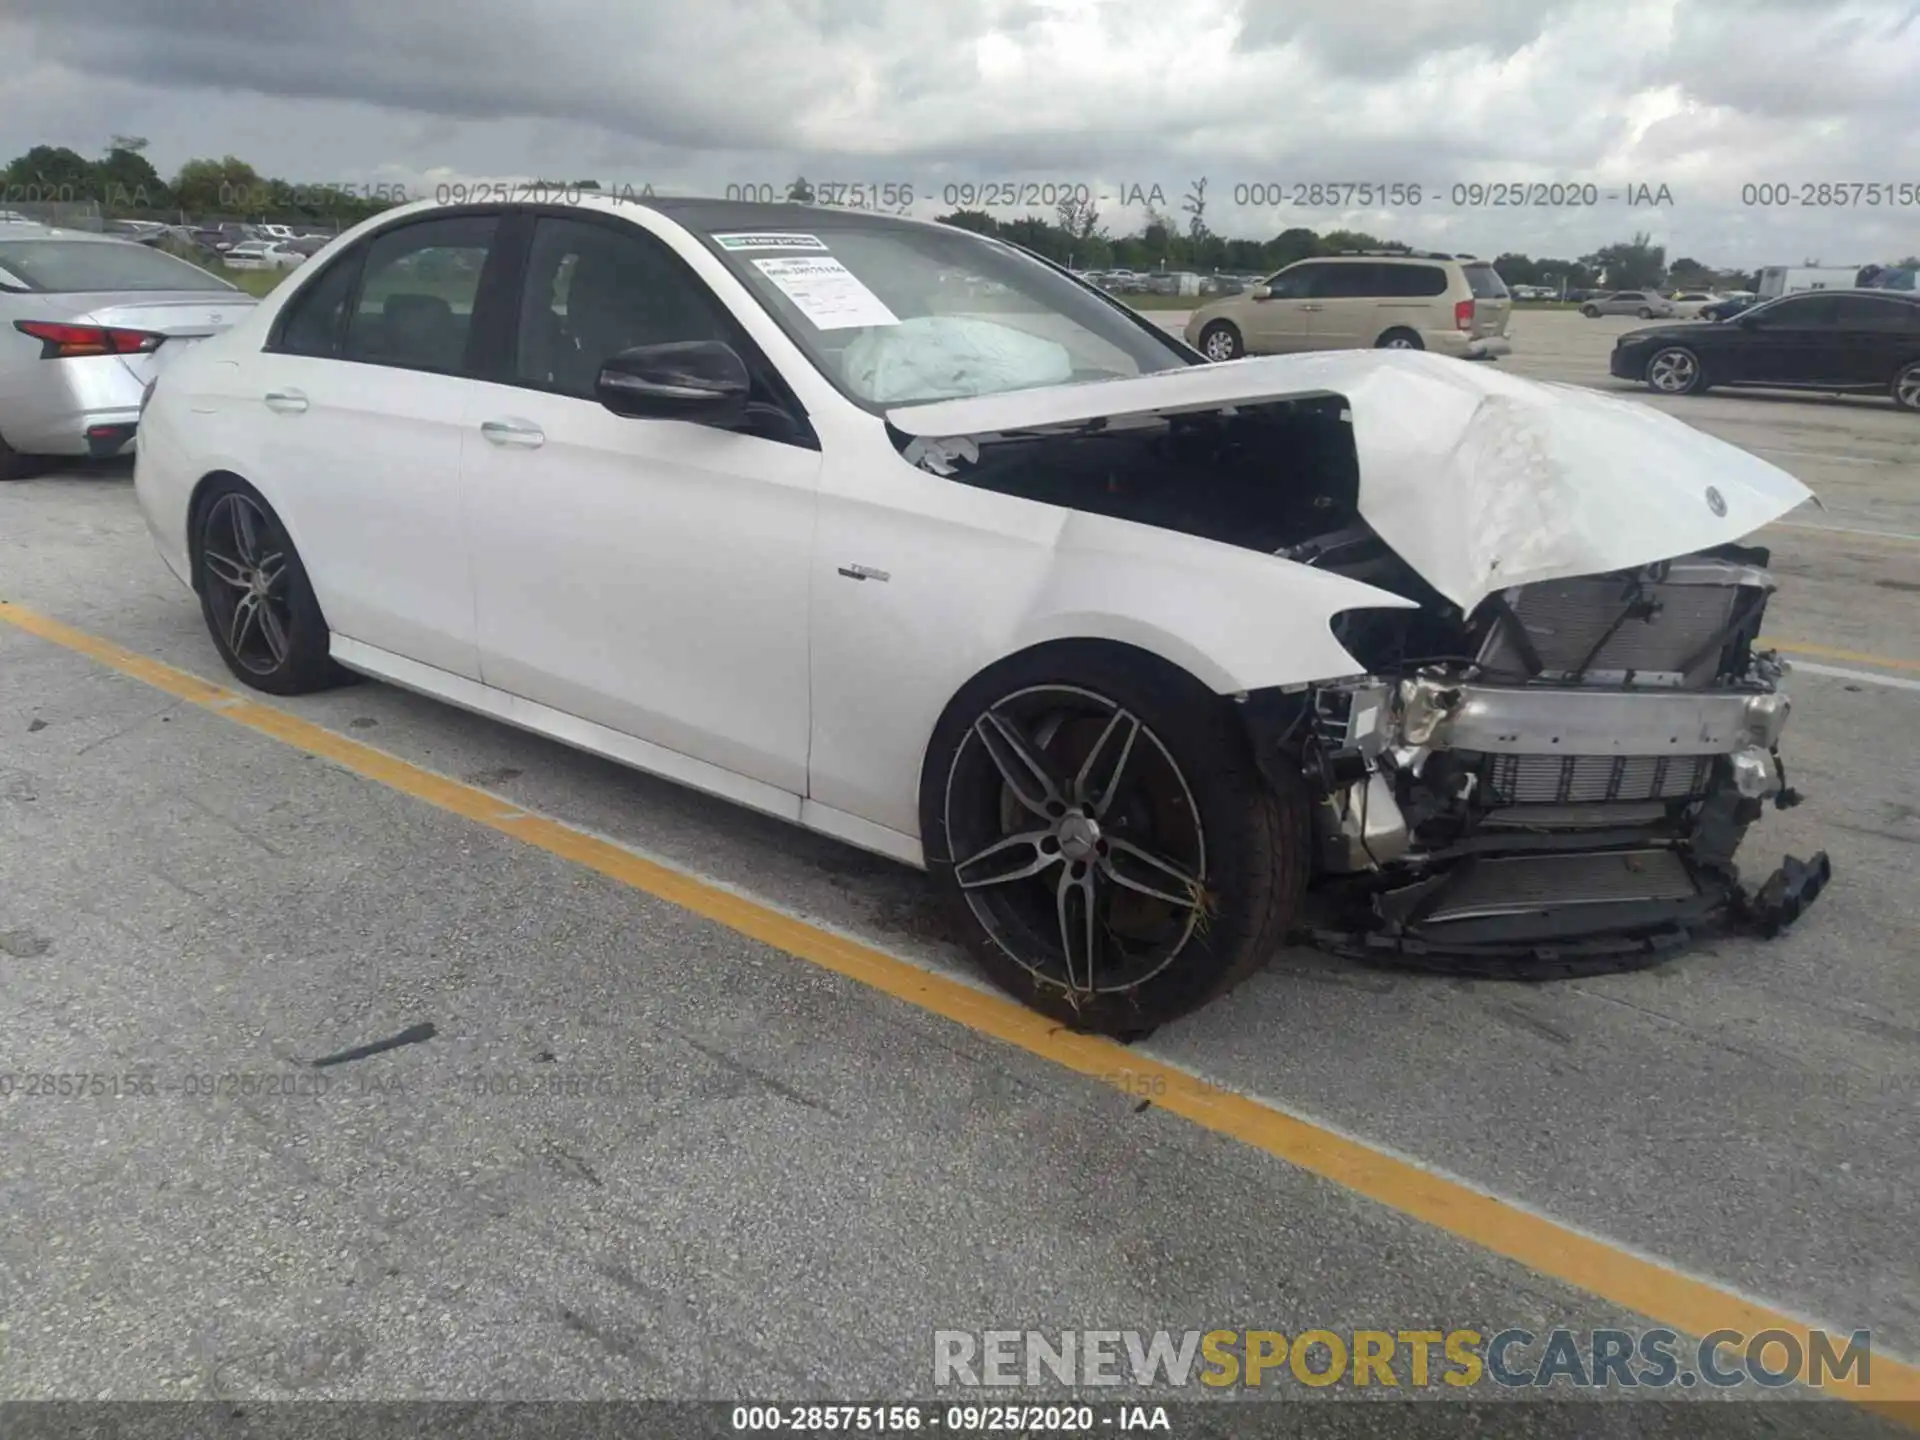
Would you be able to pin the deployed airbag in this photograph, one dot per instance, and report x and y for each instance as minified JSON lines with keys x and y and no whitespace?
{"x":938,"y":357}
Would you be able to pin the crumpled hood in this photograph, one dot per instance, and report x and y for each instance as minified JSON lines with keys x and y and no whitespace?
{"x":1477,"y":478}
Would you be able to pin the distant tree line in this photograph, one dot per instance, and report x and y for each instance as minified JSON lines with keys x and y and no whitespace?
{"x":124,"y":183}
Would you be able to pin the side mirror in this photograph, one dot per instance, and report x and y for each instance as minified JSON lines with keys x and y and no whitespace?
{"x":700,"y":380}
{"x":1260,"y":292}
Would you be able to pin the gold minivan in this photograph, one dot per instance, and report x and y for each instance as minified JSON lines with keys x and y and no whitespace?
{"x":1394,"y":300}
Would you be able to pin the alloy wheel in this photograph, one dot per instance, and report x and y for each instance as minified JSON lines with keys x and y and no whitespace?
{"x":246,"y":570}
{"x":1220,"y":344}
{"x":1398,"y":342}
{"x":1673,"y":372}
{"x":1906,"y":389}
{"x":1077,"y":842}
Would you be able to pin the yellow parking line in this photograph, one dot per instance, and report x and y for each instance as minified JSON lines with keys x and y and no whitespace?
{"x":1632,"y":1282}
{"x":1828,"y":652}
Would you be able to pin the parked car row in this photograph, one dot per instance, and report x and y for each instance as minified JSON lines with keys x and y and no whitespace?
{"x":1167,"y":282}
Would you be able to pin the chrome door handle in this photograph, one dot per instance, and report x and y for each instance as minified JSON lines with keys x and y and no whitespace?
{"x":1313,"y":307}
{"x":519,"y":433}
{"x":287,"y":402}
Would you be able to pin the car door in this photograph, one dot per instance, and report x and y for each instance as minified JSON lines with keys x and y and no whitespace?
{"x":648,"y":575}
{"x":1875,"y":338}
{"x":364,"y":390}
{"x":1349,"y":298}
{"x":1284,"y":321}
{"x":1794,"y":341}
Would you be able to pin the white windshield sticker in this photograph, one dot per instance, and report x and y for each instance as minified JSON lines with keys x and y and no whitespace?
{"x":769,"y":240}
{"x":827,"y":293}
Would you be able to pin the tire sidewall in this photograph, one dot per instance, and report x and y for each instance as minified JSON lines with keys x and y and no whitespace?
{"x":13,"y":465}
{"x":1384,"y":342}
{"x":1201,"y":735}
{"x":308,"y":665}
{"x":1592,"y":312}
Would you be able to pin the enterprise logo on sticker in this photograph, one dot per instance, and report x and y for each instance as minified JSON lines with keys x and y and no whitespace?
{"x":769,"y":240}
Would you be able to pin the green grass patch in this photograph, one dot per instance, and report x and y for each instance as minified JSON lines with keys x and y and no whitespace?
{"x":260,"y":283}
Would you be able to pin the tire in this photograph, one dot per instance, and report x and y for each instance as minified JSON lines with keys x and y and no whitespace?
{"x":1644,"y":313}
{"x":1592,"y":312}
{"x":14,"y":465}
{"x":1233,"y":855}
{"x":263,"y":616}
{"x":1675,"y":370}
{"x":1906,"y":387}
{"x":1223,"y":337}
{"x":1400,"y":339}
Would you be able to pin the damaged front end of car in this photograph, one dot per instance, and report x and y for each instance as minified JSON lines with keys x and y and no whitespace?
{"x":1559,"y":723}
{"x":1556,"y":783}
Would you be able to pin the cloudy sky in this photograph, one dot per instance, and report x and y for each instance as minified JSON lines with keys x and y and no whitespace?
{"x":1701,"y":96}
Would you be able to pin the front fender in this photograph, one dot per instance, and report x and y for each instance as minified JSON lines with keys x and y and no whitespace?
{"x":1236,"y":620}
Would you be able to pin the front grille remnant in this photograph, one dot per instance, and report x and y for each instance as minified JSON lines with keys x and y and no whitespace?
{"x":1592,"y":779}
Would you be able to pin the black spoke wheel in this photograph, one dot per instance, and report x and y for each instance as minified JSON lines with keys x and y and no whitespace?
{"x":254,"y":593}
{"x":1107,"y":848}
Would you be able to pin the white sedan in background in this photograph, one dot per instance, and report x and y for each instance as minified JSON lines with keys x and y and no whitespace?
{"x":86,"y":320}
{"x":263,"y":255}
{"x":1149,"y":662}
{"x":1688,"y":304}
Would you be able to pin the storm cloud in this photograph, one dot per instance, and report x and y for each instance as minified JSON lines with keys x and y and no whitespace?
{"x":1701,"y":96}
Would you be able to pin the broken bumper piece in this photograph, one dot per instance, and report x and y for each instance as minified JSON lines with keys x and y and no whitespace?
{"x":1785,"y":895}
{"x":1544,"y":917}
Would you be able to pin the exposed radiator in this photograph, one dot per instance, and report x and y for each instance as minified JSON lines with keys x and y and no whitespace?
{"x":1591,"y":779}
{"x":1665,"y":625}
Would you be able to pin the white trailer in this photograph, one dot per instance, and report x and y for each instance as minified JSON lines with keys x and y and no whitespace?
{"x":1786,"y":279}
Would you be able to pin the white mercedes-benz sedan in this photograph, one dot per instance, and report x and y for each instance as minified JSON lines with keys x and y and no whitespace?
{"x":911,"y":538}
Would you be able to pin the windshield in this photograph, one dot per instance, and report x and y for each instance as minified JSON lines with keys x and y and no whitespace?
{"x":77,"y":266}
{"x":894,"y":313}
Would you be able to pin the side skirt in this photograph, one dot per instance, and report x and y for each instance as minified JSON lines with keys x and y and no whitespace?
{"x":624,"y":749}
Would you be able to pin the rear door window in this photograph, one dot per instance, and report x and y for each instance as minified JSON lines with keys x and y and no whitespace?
{"x":1864,"y":312}
{"x":1351,"y":282}
{"x":417,"y":294}
{"x":1800,"y":312}
{"x":1413,"y":281}
{"x":315,"y":319}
